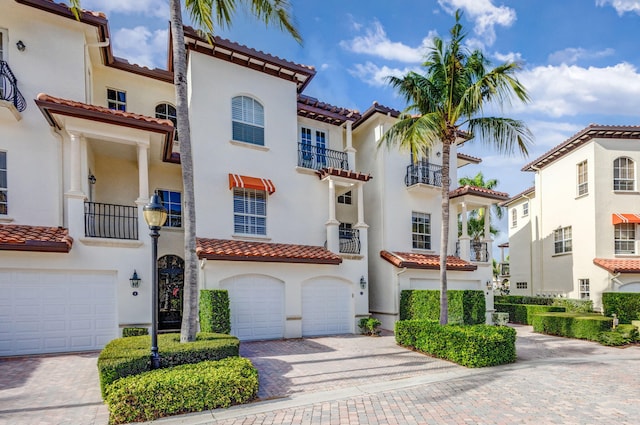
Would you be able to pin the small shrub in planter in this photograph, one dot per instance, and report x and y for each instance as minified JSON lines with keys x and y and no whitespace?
{"x":127,"y":332}
{"x":621,"y":335}
{"x":369,"y":326}
{"x":182,"y":389}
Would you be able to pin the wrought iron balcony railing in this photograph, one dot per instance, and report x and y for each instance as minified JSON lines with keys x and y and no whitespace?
{"x":9,"y":88}
{"x":110,"y":221}
{"x":425,"y":173}
{"x":349,"y":241}
{"x":317,"y":158}
{"x":478,"y":251}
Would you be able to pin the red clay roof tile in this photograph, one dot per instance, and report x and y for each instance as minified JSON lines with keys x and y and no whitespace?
{"x":34,"y":238}
{"x":479,"y":191}
{"x":618,"y":265}
{"x":232,"y":250}
{"x":414,"y":260}
{"x":330,"y":171}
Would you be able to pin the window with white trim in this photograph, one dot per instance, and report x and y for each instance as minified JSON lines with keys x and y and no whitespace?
{"x":249,"y":211}
{"x":172,"y":202}
{"x":521,"y":285}
{"x":117,"y":99}
{"x":525,"y":209}
{"x":167,"y":111}
{"x":345,"y":198}
{"x":421,"y":230}
{"x":583,"y":176}
{"x":585,"y":292}
{"x":624,"y":238}
{"x":3,"y":184}
{"x":623,"y":174}
{"x":514,"y":217}
{"x":345,"y":230}
{"x":562,"y":240}
{"x":313,"y":148}
{"x":247,"y":116}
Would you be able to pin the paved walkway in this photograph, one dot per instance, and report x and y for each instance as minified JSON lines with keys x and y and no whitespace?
{"x":363,"y":380}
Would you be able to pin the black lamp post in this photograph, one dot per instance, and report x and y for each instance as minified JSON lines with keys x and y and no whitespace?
{"x":155,"y":215}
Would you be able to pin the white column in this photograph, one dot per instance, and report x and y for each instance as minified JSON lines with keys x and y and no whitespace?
{"x":143,"y":174}
{"x":464,"y":239}
{"x":487,"y":232}
{"x":75,"y":181}
{"x":351,"y":152}
{"x":362,"y":227}
{"x":333,"y":242}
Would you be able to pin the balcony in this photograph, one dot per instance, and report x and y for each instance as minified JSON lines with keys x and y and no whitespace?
{"x":478,"y":251}
{"x":423,"y":173}
{"x":9,"y":93}
{"x":317,"y":158}
{"x":504,"y":269}
{"x":110,"y":221}
{"x":349,"y":241}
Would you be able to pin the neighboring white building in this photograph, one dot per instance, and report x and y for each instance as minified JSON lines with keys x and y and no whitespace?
{"x":287,"y":188}
{"x":575,"y":233}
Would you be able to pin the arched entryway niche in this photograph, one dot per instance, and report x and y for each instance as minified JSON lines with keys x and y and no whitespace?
{"x":170,"y":292}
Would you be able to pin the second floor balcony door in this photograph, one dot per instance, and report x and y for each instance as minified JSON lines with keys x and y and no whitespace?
{"x":314,"y":147}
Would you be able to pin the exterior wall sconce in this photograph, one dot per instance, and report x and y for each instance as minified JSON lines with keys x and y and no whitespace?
{"x":489,"y":285}
{"x":363,"y":283}
{"x":135,"y":280}
{"x":92,"y":179}
{"x":21,"y":46}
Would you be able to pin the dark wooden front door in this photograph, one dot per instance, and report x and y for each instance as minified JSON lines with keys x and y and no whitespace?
{"x":170,"y":292}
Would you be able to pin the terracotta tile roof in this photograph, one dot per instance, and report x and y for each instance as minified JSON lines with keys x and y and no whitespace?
{"x":504,"y":245}
{"x":414,"y":260}
{"x":528,"y":191}
{"x":312,"y":108}
{"x":34,"y":238}
{"x":469,"y":158}
{"x":376,"y":107}
{"x":324,"y":172}
{"x":233,"y":250}
{"x":479,"y":191}
{"x":593,"y":131}
{"x":618,"y":265}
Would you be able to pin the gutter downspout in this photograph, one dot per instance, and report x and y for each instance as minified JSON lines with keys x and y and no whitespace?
{"x":87,"y":82}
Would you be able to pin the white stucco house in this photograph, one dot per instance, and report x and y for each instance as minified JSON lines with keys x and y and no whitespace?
{"x":298,"y":215}
{"x":574,"y":233}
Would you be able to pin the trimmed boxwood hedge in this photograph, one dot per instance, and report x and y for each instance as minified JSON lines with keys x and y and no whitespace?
{"x":570,"y":304}
{"x":464,"y":307}
{"x":126,"y":332}
{"x":626,"y":305}
{"x":470,"y":346}
{"x":182,"y":389}
{"x":523,"y":313}
{"x":572,"y":325}
{"x":215,"y":315}
{"x":131,"y":356}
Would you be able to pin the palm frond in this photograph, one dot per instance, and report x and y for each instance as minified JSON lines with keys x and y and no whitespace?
{"x":276,"y":12}
{"x":504,"y":134}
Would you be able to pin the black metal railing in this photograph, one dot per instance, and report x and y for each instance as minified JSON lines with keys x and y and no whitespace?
{"x":349,"y":241}
{"x":424,"y":173}
{"x":9,"y":87}
{"x":478,"y":251}
{"x":110,"y":221}
{"x":317,"y":158}
{"x":504,"y":269}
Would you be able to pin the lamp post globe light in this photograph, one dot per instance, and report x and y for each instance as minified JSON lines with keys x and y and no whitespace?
{"x":155,"y":215}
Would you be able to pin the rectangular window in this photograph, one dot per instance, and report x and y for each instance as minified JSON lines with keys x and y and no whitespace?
{"x":625,"y":238}
{"x":249,"y":211}
{"x":3,"y":184}
{"x":562,"y":240}
{"x":584,"y":289}
{"x":116,"y":99}
{"x":514,"y":217}
{"x":583,"y":186}
{"x":345,"y":198}
{"x":521,"y":285}
{"x":345,"y":230}
{"x":421,"y":230}
{"x":525,"y":209}
{"x":172,"y":201}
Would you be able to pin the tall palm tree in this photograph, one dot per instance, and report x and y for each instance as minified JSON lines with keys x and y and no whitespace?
{"x":205,"y":14}
{"x":451,"y":97}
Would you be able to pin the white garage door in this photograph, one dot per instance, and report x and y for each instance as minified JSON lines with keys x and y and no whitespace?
{"x":326,"y":308}
{"x":257,"y":307}
{"x":55,"y":311}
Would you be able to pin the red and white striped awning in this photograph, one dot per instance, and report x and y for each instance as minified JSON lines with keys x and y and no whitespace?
{"x":625,"y":218}
{"x":246,"y":182}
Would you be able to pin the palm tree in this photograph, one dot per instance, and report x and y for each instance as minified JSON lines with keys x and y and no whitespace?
{"x":450,"y":98}
{"x":205,"y":14}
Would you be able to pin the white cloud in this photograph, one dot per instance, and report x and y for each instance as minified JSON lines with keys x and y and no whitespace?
{"x":565,"y":90}
{"x":375,"y":75}
{"x":621,"y":6}
{"x":484,"y":14}
{"x":376,"y":43}
{"x":128,"y":7}
{"x":141,"y":46}
{"x":572,"y":55}
{"x":508,"y":57}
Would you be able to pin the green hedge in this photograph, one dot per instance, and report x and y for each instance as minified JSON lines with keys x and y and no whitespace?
{"x":626,"y":305}
{"x":523,"y":313}
{"x":182,"y":389}
{"x":131,"y":356}
{"x":215,"y":315}
{"x":464,"y":307}
{"x":621,"y":335}
{"x":572,"y":325}
{"x":573,"y":305}
{"x":470,"y":346}
{"x":522,"y":299}
{"x":127,"y":332}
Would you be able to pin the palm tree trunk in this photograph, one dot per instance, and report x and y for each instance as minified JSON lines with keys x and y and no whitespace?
{"x":444,"y":233}
{"x":190,"y":307}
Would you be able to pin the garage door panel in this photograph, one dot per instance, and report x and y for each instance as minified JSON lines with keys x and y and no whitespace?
{"x":326,"y":308}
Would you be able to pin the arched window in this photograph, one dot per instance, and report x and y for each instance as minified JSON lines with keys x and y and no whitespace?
{"x":168,"y":112}
{"x":623,"y":174}
{"x":247,"y":115}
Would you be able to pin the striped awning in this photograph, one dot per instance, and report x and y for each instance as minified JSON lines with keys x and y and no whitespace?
{"x":625,"y":218}
{"x":246,"y":182}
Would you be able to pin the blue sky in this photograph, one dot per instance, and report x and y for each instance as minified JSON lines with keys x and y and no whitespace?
{"x":580,"y":57}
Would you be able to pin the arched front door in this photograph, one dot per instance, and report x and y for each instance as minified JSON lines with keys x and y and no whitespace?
{"x":170,"y":292}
